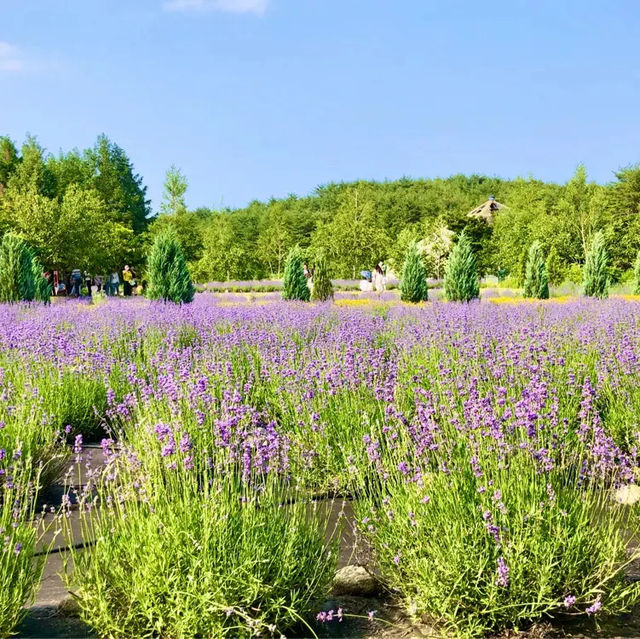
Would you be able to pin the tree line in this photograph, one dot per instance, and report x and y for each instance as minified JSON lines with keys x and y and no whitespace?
{"x":89,"y":209}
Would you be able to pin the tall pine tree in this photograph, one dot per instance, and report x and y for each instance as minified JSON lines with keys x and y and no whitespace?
{"x":413,"y":285}
{"x":460,"y":276}
{"x":295,"y":282}
{"x":536,"y":281}
{"x":596,"y":268}
{"x":169,"y":277}
{"x":16,"y":270}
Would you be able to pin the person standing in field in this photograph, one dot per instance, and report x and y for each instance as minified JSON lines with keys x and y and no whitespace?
{"x":88,"y":282}
{"x":379,"y":279}
{"x":127,"y":276}
{"x":114,"y":283}
{"x":98,"y":279}
{"x":76,"y":282}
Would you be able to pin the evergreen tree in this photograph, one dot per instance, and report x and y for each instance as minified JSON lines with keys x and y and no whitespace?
{"x":554,"y":267}
{"x":42,"y":288}
{"x":16,"y":270}
{"x":636,"y":270}
{"x":596,"y":268}
{"x":413,"y":286}
{"x":322,"y":289}
{"x":169,"y":277}
{"x":295,"y":282}
{"x":460,"y":276}
{"x":121,"y":189}
{"x":536,"y":282}
{"x":175,"y":186}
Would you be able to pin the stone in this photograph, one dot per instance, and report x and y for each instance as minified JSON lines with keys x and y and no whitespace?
{"x":356,"y":581}
{"x":627,"y":495}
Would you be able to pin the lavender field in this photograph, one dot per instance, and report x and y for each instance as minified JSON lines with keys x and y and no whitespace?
{"x":488,"y":453}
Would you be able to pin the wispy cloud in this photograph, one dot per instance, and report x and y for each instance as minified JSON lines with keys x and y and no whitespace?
{"x":234,"y":6}
{"x":11,"y":58}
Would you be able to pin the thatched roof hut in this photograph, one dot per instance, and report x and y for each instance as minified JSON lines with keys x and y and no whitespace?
{"x":487,"y":210}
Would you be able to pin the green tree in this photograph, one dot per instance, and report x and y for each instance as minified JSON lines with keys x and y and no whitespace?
{"x":16,"y":270}
{"x":536,"y":282}
{"x":169,"y":277}
{"x":222,"y":254}
{"x":121,"y":189}
{"x":460,"y":276}
{"x":413,"y":285}
{"x":636,"y":273}
{"x":175,"y":186}
{"x":188,"y":227}
{"x":596,"y":268}
{"x":31,"y":173}
{"x":295,"y":283}
{"x":9,"y":161}
{"x":554,"y":267}
{"x":353,"y":238}
{"x":322,"y":289}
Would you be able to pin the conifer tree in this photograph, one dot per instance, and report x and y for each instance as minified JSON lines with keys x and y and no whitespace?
{"x":536,"y":282}
{"x":42,"y":288}
{"x":413,"y":285}
{"x":169,"y":277}
{"x":554,"y":267}
{"x":596,"y":268}
{"x":460,"y":276}
{"x":16,"y":270}
{"x":295,"y":282}
{"x":322,"y":289}
{"x":636,"y":270}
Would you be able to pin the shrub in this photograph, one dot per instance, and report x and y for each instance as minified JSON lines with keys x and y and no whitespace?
{"x":322,"y":289}
{"x":295,"y":283}
{"x":16,"y":270}
{"x":169,"y":278}
{"x":536,"y":283}
{"x":20,"y":570}
{"x":413,"y":285}
{"x":244,"y":548}
{"x":596,"y":269}
{"x":479,"y":523}
{"x":636,"y":272}
{"x":460,"y":276}
{"x":574,"y":274}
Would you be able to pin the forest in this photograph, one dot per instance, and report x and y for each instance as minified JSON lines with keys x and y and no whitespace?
{"x":89,"y":209}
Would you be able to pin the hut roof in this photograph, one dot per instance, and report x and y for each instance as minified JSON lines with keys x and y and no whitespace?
{"x":487,"y":210}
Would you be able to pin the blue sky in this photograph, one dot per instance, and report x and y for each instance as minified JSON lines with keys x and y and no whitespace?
{"x":260,"y":98}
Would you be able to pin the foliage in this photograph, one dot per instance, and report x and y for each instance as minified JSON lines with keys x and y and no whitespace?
{"x":413,"y":285}
{"x":322,"y":289}
{"x":460,"y":276}
{"x":636,"y":273}
{"x":554,"y":267}
{"x":295,"y":283}
{"x":596,"y":268}
{"x":42,"y":288}
{"x":169,"y":277}
{"x":20,"y":570}
{"x":175,"y":186}
{"x":536,"y":283}
{"x":16,"y":270}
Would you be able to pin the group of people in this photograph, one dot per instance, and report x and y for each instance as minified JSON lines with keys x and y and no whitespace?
{"x":76,"y":282}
